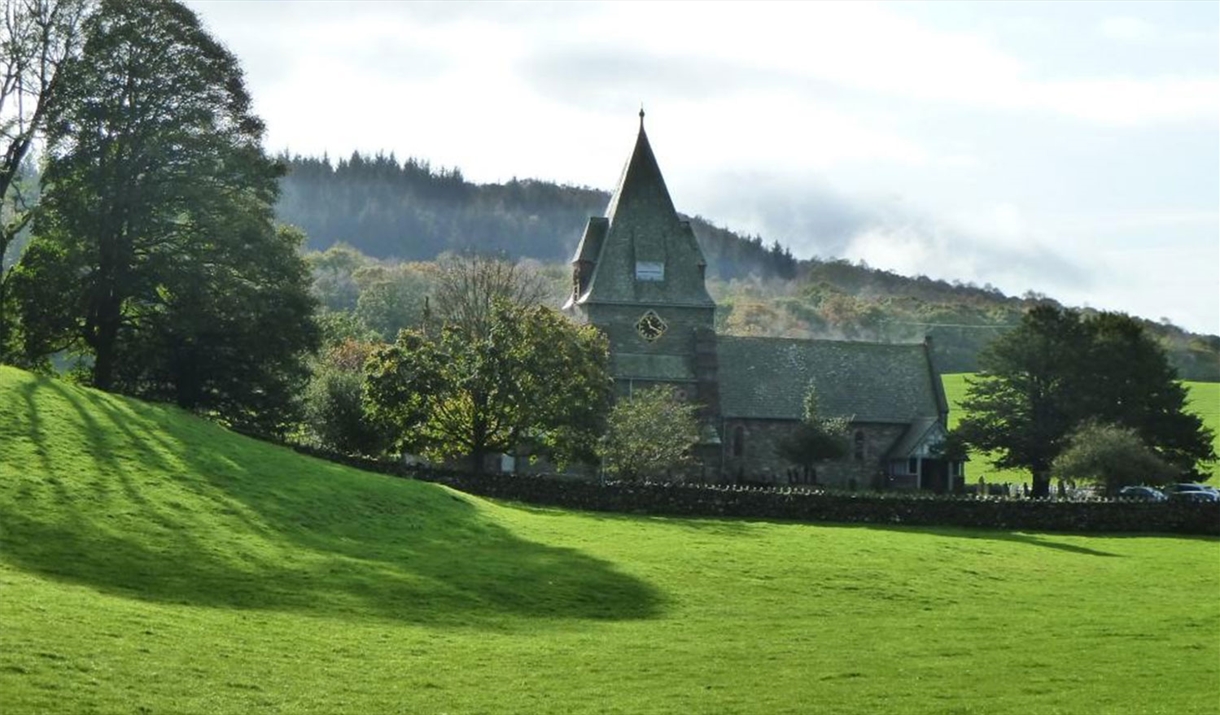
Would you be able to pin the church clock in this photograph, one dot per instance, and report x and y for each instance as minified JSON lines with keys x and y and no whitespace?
{"x":650,"y":326}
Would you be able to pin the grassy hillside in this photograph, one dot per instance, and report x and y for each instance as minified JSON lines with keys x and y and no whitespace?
{"x":1204,"y":401}
{"x":153,"y":563}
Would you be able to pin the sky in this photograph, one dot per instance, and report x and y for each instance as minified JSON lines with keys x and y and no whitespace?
{"x":1070,"y":148}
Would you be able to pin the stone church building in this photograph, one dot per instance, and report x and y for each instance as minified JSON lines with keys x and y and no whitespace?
{"x":639,"y":276}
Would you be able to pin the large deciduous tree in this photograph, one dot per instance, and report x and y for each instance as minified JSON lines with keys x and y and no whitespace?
{"x":1056,"y":371}
{"x":158,"y":190}
{"x":37,"y":37}
{"x":525,"y":381}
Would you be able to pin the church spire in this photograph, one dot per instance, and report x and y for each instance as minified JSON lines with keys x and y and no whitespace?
{"x":641,"y":251}
{"x":641,"y":177}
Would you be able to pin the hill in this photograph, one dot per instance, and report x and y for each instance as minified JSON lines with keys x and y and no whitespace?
{"x":411,"y":211}
{"x":153,"y":562}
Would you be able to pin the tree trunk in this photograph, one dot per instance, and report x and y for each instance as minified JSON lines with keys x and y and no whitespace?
{"x":478,"y":456}
{"x":103,"y":364}
{"x":104,"y":338}
{"x":1042,"y":485}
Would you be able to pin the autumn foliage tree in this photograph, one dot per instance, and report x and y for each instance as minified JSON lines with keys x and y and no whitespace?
{"x":527,"y":382}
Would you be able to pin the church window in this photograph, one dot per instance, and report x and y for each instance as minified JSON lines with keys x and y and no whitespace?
{"x":858,"y":441}
{"x":650,"y":326}
{"x":739,"y":441}
{"x":649,"y":271}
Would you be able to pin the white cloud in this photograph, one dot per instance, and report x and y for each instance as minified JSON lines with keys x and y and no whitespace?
{"x":867,"y":47}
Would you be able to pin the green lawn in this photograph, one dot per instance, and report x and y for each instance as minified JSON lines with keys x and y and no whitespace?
{"x":153,"y":563}
{"x":1204,"y":401}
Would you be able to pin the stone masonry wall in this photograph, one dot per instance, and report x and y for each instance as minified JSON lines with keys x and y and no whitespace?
{"x":760,"y":462}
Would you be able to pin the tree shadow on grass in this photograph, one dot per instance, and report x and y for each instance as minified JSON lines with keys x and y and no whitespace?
{"x":203,"y":517}
{"x":711,"y":525}
{"x":1019,"y":537}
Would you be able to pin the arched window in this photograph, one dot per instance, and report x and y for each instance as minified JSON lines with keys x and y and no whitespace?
{"x":739,"y":441}
{"x":858,"y":441}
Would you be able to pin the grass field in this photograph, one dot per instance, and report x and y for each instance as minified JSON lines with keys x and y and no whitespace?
{"x":1204,"y":401}
{"x":153,"y":563}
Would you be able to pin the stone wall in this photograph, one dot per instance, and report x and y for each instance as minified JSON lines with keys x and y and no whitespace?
{"x":809,"y":505}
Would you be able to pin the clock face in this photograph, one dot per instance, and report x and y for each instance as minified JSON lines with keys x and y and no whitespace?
{"x":650,"y":326}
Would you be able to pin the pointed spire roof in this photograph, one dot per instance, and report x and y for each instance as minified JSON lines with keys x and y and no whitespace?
{"x":641,"y":177}
{"x":642,"y":228}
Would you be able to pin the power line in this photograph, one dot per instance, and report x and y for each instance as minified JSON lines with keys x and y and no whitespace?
{"x":953,"y":325}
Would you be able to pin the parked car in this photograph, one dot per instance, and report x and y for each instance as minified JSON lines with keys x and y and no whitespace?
{"x":1195,"y":495}
{"x":1188,"y":487}
{"x":1142,"y":494}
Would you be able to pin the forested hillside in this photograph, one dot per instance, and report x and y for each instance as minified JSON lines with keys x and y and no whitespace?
{"x":394,"y":211}
{"x":412,"y":211}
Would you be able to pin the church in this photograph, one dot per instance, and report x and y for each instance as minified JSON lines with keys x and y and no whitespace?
{"x":639,"y":276}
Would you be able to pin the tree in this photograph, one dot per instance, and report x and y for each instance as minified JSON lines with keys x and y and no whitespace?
{"x":391,"y":297}
{"x":334,"y":402}
{"x":158,"y":191}
{"x":1054,"y":372}
{"x":37,"y":37}
{"x":467,"y":288}
{"x":334,"y":283}
{"x":1137,"y":388}
{"x":649,"y":434}
{"x":1111,"y":456}
{"x":816,"y":439}
{"x":526,"y":380}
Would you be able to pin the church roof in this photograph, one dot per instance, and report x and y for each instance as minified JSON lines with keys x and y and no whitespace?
{"x":766,"y":378}
{"x":641,"y":226}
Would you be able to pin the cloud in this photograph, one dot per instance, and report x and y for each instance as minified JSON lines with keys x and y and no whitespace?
{"x":941,"y":251}
{"x":801,"y":49}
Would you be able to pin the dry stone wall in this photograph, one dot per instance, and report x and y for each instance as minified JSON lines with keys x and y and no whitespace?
{"x":797,"y":504}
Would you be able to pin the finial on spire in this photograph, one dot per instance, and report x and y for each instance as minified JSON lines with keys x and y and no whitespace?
{"x":641,"y":115}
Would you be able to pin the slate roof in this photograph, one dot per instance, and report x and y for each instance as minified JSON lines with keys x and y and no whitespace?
{"x":591,"y":242}
{"x":766,"y":378}
{"x":641,"y":225}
